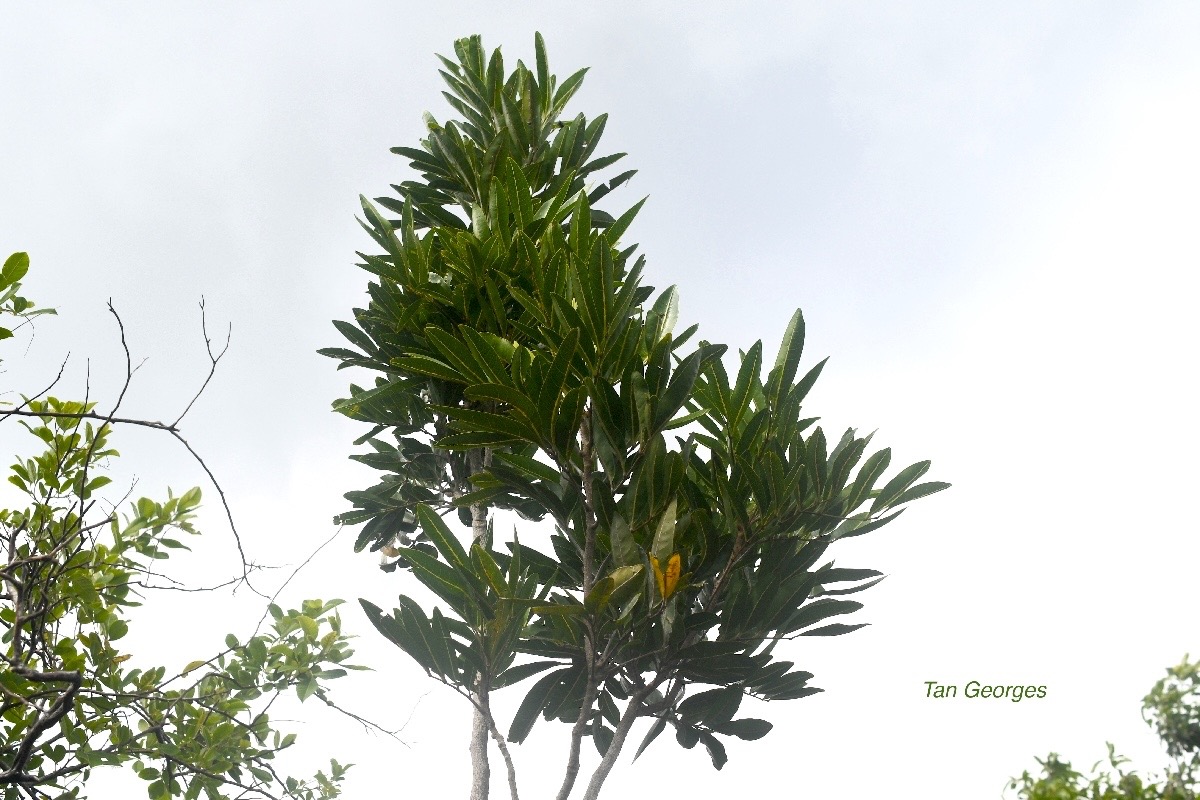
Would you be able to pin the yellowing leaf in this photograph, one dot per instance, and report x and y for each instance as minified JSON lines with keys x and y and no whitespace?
{"x":671,"y":578}
{"x":659,"y":578}
{"x":666,"y":581}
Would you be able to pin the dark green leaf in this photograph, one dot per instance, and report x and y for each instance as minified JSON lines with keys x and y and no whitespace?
{"x":836,"y":629}
{"x":521,"y":672}
{"x":716,"y":750}
{"x":659,"y":725}
{"x":531,"y":706}
{"x":713,"y":707}
{"x":747,"y":729}
{"x":788,"y":358}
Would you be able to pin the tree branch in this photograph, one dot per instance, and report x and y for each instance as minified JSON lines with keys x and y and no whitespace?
{"x":214,"y":359}
{"x":632,"y":711}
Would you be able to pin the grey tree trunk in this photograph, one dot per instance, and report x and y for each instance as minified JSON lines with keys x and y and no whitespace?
{"x":481,"y":773}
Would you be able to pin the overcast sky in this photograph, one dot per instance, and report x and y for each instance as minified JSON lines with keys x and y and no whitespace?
{"x":987,"y":211}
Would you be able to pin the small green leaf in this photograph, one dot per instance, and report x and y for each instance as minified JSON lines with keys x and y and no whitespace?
{"x":307,"y":687}
{"x":308,"y":625}
{"x":15,"y":267}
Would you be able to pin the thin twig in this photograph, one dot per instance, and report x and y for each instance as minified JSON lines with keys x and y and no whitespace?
{"x":284,"y":585}
{"x":214,"y":359}
{"x":29,"y":400}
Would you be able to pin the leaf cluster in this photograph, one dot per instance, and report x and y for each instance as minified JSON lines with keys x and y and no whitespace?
{"x":1110,"y":780}
{"x":11,"y":303}
{"x":72,"y":698}
{"x":1172,"y":708}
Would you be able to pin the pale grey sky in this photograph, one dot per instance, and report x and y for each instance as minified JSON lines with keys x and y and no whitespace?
{"x":987,"y":212}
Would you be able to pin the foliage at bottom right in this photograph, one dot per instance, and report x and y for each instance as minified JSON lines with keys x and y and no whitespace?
{"x":1172,"y":708}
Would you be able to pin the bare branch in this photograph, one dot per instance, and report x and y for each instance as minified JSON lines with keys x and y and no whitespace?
{"x":295,"y":572}
{"x":366,"y":723}
{"x":214,"y":359}
{"x":5,"y":414}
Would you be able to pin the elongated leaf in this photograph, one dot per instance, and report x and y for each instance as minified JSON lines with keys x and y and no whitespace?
{"x":801,"y":389}
{"x":598,"y":598}
{"x":859,"y":526}
{"x":505,"y":394}
{"x":657,"y":728}
{"x":556,"y":380}
{"x":852,"y":589}
{"x":678,"y":391}
{"x":568,"y":88}
{"x":748,"y":375}
{"x":470,"y":421}
{"x":818,"y":610}
{"x":788,"y":359}
{"x":471,"y":441}
{"x":664,"y":535}
{"x":394,"y":632}
{"x":487,"y":568}
{"x":834,"y":629}
{"x":441,"y":647}
{"x":896,"y":486}
{"x":427,"y":365}
{"x":918,"y":491}
{"x":442,"y":579}
{"x":442,"y":537}
{"x":624,"y":550}
{"x":521,"y":672}
{"x":679,"y":422}
{"x":457,"y":354}
{"x":602,"y":737}
{"x":543,"y":70}
{"x":531,"y":707}
{"x":356,"y":337}
{"x":837,"y":575}
{"x":566,"y":698}
{"x":531,"y":467}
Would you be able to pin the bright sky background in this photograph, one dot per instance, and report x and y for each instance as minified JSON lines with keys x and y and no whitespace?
{"x":987,"y":211}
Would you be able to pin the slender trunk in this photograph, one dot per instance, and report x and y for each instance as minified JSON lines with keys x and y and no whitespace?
{"x":501,"y":744}
{"x":614,"y":749}
{"x":577,"y":732}
{"x":481,"y":773}
{"x":587,"y":458}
